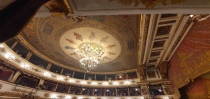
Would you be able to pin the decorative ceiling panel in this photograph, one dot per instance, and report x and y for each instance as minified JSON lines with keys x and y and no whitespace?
{"x":58,"y":38}
{"x":116,"y":7}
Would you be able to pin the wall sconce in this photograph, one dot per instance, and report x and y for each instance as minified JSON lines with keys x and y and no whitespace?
{"x":105,"y":83}
{"x":47,"y":74}
{"x":68,"y":97}
{"x":83,"y":82}
{"x":116,"y":83}
{"x":10,"y":57}
{"x":53,"y":96}
{"x":72,"y":81}
{"x":24,"y":65}
{"x":127,"y":82}
{"x":94,"y":83}
{"x":60,"y":78}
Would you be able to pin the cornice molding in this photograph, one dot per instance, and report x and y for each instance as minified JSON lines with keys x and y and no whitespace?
{"x":148,"y":3}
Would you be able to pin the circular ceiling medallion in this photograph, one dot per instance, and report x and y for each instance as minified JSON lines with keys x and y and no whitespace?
{"x":72,"y":40}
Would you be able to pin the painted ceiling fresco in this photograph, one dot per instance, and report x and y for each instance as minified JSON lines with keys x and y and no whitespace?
{"x":57,"y":38}
{"x":192,"y":58}
{"x":70,"y":41}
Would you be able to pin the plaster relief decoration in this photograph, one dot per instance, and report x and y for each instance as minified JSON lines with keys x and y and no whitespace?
{"x":36,"y":69}
{"x":145,"y":90}
{"x":17,"y":60}
{"x":20,"y":95}
{"x":78,"y":42}
{"x":57,"y":9}
{"x":2,"y":49}
{"x":148,"y":3}
{"x":46,"y":95}
{"x":153,"y":74}
{"x":168,"y":90}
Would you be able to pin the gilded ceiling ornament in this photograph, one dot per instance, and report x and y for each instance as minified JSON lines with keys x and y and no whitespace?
{"x":66,"y":79}
{"x":77,"y":19}
{"x":148,"y":3}
{"x":17,"y":60}
{"x":22,"y":90}
{"x":36,"y":70}
{"x":46,"y":95}
{"x":54,"y":76}
{"x":58,"y":8}
{"x":199,"y":17}
{"x":2,"y":50}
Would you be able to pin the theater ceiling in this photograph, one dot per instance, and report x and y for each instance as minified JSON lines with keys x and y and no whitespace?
{"x":132,"y":41}
{"x":58,"y":38}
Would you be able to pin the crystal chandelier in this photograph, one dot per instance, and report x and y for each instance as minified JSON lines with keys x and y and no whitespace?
{"x":89,"y":55}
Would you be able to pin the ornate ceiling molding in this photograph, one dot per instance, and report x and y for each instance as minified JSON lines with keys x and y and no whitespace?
{"x":199,"y":17}
{"x":59,"y":8}
{"x":148,"y":3}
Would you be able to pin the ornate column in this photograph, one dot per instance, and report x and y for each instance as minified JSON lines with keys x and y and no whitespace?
{"x":14,"y":78}
{"x":61,"y":71}
{"x":141,"y":72}
{"x":28,"y":56}
{"x":128,"y":91}
{"x":69,"y":90}
{"x":145,"y":91}
{"x":14,"y":44}
{"x":116,"y":92}
{"x":49,"y":66}
{"x":126,"y":74}
{"x":73,"y":74}
{"x":137,"y":73}
{"x":41,"y":82}
{"x":84,"y":76}
{"x":56,"y":87}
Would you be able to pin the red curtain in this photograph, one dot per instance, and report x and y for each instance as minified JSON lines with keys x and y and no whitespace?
{"x":192,"y":57}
